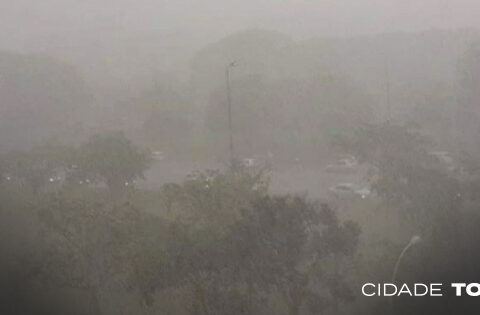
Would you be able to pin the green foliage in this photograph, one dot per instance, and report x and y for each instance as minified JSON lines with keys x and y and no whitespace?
{"x":240,"y":246}
{"x":36,"y":168}
{"x":219,"y":241}
{"x":84,"y":240}
{"x":295,"y":115}
{"x":404,"y":174}
{"x":109,"y":158}
{"x":113,"y":159}
{"x":437,"y":204}
{"x":167,"y":117}
{"x":41,"y":98}
{"x":469,"y":70}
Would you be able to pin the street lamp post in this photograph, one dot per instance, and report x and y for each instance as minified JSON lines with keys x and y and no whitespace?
{"x":414,"y":240}
{"x":387,"y":89}
{"x":229,"y":104}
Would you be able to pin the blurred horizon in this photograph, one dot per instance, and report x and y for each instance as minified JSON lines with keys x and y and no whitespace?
{"x":24,"y":23}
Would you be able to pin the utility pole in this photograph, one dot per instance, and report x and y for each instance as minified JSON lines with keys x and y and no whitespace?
{"x":229,"y":104}
{"x":387,"y":89}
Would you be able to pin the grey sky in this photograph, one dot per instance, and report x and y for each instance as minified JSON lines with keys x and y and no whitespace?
{"x":24,"y":19}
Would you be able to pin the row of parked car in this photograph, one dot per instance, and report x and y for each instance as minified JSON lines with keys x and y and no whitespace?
{"x":350,"y":165}
{"x":346,"y":165}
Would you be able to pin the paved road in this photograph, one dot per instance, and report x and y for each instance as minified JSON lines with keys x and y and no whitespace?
{"x":293,"y":179}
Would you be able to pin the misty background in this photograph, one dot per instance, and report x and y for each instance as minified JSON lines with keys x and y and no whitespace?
{"x":352,"y":155}
{"x":393,"y":50}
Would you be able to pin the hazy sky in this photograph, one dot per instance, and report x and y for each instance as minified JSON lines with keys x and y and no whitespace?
{"x":23,"y":19}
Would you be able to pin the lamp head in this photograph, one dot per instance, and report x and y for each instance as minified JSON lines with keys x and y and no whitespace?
{"x":415,"y":239}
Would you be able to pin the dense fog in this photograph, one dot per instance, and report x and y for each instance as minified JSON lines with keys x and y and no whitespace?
{"x":237,"y":157}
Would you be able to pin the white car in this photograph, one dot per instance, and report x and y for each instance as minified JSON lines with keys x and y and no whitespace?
{"x":157,"y":155}
{"x":249,"y":162}
{"x":347,"y":164}
{"x":445,"y":159}
{"x":349,"y":190}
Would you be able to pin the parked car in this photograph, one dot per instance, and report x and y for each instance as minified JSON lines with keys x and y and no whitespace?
{"x":249,"y":162}
{"x":349,"y":190}
{"x":445,"y":159}
{"x":347,"y":164}
{"x":157,"y":155}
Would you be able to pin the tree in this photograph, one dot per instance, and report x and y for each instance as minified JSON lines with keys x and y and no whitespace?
{"x":36,"y":168}
{"x":404,"y":174}
{"x":288,"y":116}
{"x":298,"y":248}
{"x":112,"y":159}
{"x":40,"y":98}
{"x":235,"y":247}
{"x":468,"y":96}
{"x":91,"y":245}
{"x":437,"y":204}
